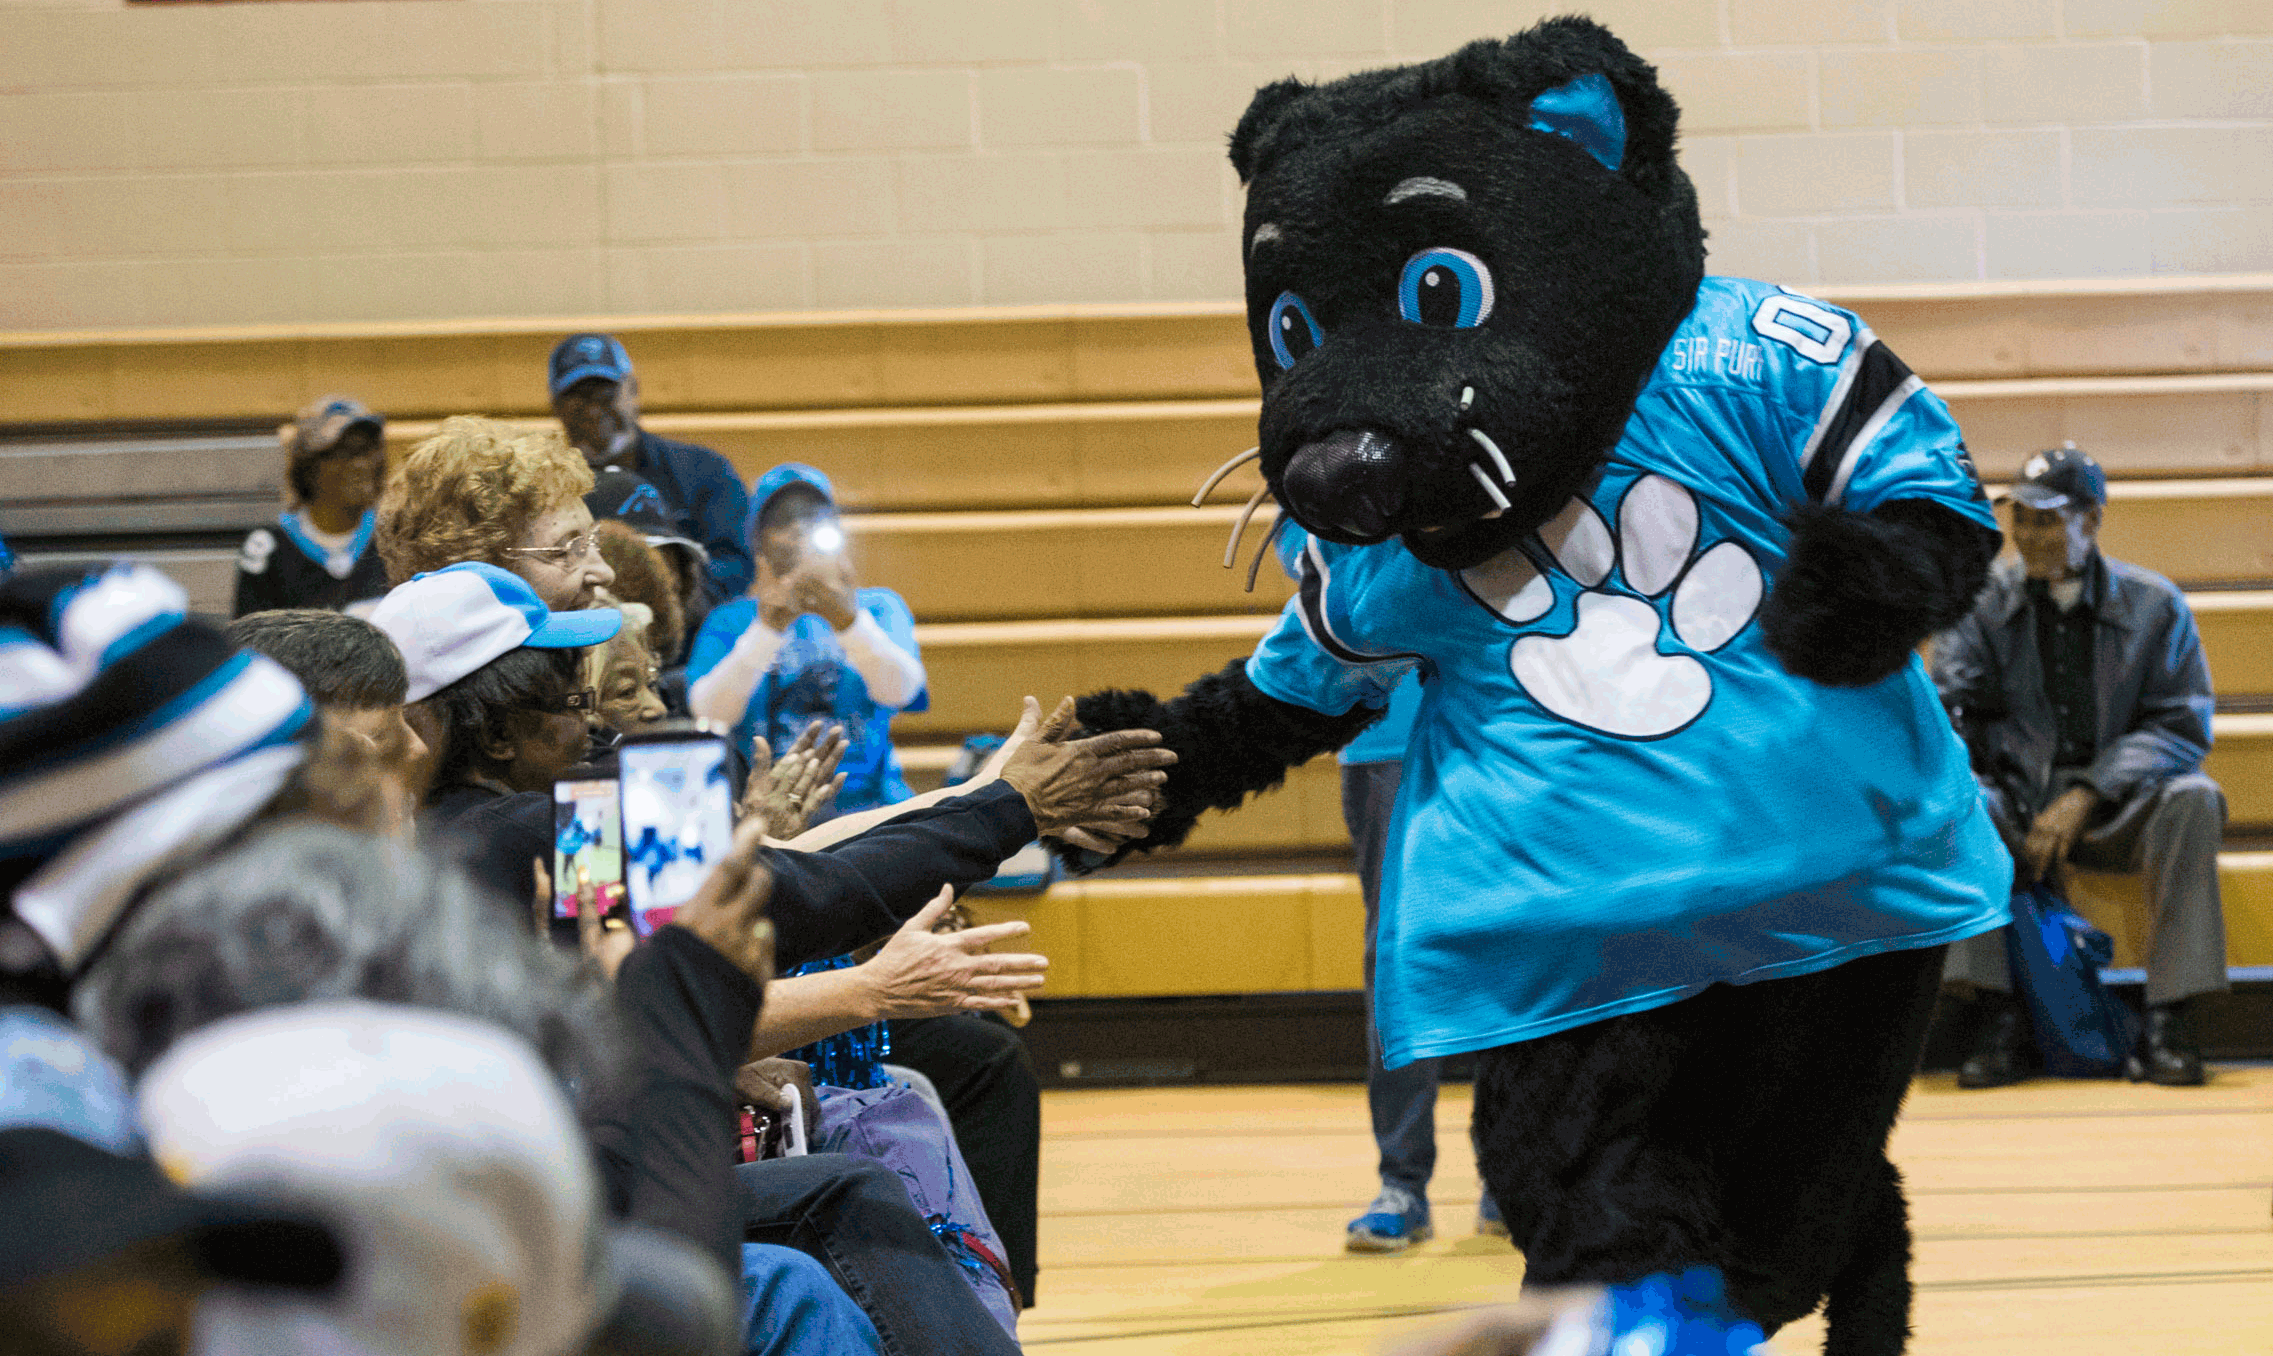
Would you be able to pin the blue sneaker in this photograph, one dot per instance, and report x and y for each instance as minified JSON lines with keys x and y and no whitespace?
{"x":1395,"y":1221}
{"x":1489,"y":1222}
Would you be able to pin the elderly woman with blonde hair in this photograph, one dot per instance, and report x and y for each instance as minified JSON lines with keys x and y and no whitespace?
{"x":488,"y":491}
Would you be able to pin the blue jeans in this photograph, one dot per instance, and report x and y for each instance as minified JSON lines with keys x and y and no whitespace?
{"x":791,"y":1307}
{"x":1403,"y":1101}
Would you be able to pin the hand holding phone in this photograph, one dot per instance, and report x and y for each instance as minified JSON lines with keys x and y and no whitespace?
{"x":587,"y":841}
{"x":678,"y":816}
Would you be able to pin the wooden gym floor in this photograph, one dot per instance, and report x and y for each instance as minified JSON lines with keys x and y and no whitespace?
{"x":2077,"y":1218}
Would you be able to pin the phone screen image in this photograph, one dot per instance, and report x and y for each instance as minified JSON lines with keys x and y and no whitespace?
{"x":678,"y":821}
{"x":587,"y":833}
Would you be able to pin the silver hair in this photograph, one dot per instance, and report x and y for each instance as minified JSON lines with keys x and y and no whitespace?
{"x":305,"y":911}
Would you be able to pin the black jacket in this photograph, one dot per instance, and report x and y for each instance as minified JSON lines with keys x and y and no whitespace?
{"x":707,"y":498}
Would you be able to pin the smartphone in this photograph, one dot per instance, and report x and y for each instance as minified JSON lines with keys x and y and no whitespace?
{"x":587,"y":839}
{"x":678,"y":815}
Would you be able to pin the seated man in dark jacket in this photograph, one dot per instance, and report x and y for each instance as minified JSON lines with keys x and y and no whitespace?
{"x":596,"y":398}
{"x":2080,"y":686}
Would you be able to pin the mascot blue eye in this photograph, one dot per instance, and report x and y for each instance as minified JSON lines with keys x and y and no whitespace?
{"x":1294,"y":331}
{"x":1446,"y":287}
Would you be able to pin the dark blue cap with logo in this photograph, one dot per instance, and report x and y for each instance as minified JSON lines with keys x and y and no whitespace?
{"x":2062,"y":478}
{"x":588,"y":355}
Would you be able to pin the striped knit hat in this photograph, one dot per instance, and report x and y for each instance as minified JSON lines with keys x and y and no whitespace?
{"x":130,"y":736}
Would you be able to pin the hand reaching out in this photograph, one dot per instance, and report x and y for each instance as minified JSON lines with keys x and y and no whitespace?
{"x":921,"y":973}
{"x":784,"y":794}
{"x":1094,"y":793}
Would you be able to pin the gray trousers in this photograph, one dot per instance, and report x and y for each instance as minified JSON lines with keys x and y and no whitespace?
{"x":2170,"y":831}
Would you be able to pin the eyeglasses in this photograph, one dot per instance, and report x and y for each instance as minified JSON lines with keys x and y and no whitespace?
{"x":582,"y":699}
{"x":573,"y":550}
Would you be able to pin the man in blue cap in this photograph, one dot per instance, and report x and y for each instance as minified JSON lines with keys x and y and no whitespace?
{"x":2081,"y":689}
{"x":596,"y":398}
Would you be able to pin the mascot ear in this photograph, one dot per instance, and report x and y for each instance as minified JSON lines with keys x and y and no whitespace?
{"x":1587,"y":111}
{"x":1259,"y":125}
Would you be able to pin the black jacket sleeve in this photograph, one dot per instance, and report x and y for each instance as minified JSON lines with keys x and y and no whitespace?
{"x":665,"y":1146}
{"x":828,"y":903}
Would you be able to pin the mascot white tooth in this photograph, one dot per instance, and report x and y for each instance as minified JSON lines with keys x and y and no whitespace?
{"x":1683,"y":828}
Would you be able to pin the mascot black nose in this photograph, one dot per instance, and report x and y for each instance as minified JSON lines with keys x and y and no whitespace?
{"x":1351,"y":481}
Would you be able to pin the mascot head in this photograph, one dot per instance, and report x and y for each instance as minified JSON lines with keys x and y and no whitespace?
{"x":1459,"y":275}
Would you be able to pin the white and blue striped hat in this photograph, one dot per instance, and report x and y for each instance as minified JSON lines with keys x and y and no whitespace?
{"x":110,"y":696}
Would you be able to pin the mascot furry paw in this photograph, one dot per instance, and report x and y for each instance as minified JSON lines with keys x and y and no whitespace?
{"x":1682,"y":827}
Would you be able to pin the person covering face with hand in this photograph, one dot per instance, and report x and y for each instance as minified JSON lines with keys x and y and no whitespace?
{"x":809,"y":644}
{"x":2081,"y":688}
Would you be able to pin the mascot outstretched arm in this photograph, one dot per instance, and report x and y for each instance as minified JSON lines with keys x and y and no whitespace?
{"x":1682,"y":828}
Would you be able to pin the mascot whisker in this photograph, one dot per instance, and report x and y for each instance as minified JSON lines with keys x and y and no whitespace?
{"x":1682,"y":829}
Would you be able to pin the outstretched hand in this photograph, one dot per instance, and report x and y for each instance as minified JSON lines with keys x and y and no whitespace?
{"x":922,"y":973}
{"x":785,"y":793}
{"x":1094,"y":793}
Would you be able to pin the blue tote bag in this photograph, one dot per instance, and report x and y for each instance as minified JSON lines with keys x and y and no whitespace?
{"x":2082,"y":1030}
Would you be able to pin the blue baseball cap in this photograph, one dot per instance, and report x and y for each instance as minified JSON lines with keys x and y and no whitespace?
{"x":452,"y":621}
{"x":781,"y":478}
{"x":588,"y":355}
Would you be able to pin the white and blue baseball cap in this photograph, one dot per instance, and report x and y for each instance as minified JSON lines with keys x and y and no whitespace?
{"x":451,"y":621}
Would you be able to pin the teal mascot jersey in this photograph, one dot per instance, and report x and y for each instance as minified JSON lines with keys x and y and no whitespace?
{"x":1683,"y":830}
{"x":1573,"y":844}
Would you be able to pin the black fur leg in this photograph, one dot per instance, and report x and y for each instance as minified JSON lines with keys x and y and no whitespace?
{"x":1861,"y":590}
{"x":1869,"y":1309}
{"x":1230,"y":741}
{"x":1577,"y":1135}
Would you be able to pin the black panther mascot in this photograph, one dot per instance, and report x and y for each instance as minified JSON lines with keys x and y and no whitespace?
{"x":1683,"y":830}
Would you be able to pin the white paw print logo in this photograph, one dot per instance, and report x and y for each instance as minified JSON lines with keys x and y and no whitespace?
{"x":1609,"y":671}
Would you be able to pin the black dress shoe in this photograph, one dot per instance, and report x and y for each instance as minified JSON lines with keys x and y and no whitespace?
{"x":2166,"y":1055}
{"x":2004,"y":1053}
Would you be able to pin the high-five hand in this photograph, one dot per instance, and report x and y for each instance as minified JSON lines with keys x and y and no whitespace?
{"x":1094,"y":793}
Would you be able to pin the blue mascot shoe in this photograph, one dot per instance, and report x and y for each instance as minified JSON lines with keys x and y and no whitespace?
{"x":1684,"y":1315}
{"x":1395,"y":1221}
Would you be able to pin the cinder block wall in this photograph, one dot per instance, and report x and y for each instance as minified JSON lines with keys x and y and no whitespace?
{"x":171,"y":165}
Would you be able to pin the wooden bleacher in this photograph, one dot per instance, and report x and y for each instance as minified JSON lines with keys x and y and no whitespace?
{"x":1021,"y":474}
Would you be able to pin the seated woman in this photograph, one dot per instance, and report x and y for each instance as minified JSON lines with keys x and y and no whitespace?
{"x":317,"y":554}
{"x":623,"y":673}
{"x":500,"y":677}
{"x":485,"y":491}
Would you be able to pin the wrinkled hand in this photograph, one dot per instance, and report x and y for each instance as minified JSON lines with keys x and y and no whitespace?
{"x":1094,"y":793}
{"x":2055,"y":830}
{"x":921,"y":973}
{"x":728,"y":912}
{"x":760,"y":1082}
{"x":785,"y":793}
